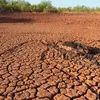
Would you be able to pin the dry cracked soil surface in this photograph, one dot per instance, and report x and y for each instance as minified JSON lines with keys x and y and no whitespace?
{"x":49,"y":56}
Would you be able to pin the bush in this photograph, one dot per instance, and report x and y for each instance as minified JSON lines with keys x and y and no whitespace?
{"x":2,"y":5}
{"x":82,"y":9}
{"x":9,"y":8}
{"x":32,"y":8}
{"x":44,"y":6}
{"x":16,"y":6}
{"x":64,"y":9}
{"x":97,"y":9}
{"x":50,"y":9}
{"x":21,"y":6}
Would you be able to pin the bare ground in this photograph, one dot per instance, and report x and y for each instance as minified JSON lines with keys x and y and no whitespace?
{"x":49,"y":56}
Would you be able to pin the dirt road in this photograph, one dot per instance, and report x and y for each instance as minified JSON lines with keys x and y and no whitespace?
{"x":49,"y":56}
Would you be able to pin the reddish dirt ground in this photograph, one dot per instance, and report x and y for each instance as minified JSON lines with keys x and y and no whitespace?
{"x":49,"y":56}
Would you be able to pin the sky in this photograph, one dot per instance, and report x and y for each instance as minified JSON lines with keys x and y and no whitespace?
{"x":69,"y":3}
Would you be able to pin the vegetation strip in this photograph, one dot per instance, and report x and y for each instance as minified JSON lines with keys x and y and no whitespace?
{"x":44,"y":6}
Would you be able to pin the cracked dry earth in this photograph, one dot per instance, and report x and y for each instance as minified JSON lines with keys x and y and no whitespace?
{"x":63,"y":71}
{"x":36,"y":69}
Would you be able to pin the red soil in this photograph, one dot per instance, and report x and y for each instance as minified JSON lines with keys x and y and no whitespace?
{"x":22,"y":36}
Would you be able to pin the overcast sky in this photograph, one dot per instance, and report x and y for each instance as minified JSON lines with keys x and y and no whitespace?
{"x":71,"y":3}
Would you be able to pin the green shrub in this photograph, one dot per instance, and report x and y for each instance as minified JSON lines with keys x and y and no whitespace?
{"x":64,"y":9}
{"x":44,"y":6}
{"x":21,"y":6}
{"x":82,"y":9}
{"x":2,"y":5}
{"x":32,"y":8}
{"x":50,"y":9}
{"x":97,"y":9}
{"x":9,"y":8}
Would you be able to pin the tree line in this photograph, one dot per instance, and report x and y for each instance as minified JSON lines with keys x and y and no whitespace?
{"x":43,"y":6}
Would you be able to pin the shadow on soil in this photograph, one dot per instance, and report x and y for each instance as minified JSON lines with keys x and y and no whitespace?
{"x":14,"y":20}
{"x":91,"y":50}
